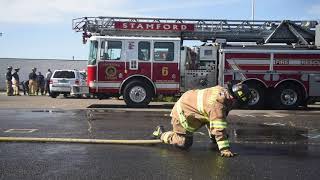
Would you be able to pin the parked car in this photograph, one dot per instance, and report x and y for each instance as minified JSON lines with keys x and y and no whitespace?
{"x":62,"y":81}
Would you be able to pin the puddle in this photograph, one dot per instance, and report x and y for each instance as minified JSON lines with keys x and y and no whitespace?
{"x":48,"y":110}
{"x":20,"y":130}
{"x":313,"y":134}
{"x":272,"y":133}
{"x":163,"y":106}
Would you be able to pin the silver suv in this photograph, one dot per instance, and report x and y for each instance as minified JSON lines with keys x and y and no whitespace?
{"x":61,"y":82}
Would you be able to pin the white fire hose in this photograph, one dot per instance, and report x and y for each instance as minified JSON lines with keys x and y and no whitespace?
{"x":75,"y":140}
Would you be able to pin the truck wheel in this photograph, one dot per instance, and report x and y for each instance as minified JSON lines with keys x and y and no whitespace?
{"x":258,"y":96}
{"x":137,"y":94}
{"x":288,"y":96}
{"x":53,"y":94}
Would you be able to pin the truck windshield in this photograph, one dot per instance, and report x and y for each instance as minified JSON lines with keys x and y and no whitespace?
{"x":93,"y":53}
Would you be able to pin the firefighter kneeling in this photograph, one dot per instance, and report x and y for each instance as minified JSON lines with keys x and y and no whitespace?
{"x":197,"y":108}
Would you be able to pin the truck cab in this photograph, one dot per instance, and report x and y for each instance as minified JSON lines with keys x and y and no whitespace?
{"x":137,"y":68}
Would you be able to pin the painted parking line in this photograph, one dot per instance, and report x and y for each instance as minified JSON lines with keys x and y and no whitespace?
{"x":312,"y":134}
{"x":246,"y":115}
{"x":274,"y":115}
{"x":20,"y":130}
{"x":274,"y":124}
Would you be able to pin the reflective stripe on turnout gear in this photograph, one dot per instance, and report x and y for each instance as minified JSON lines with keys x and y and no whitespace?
{"x":218,"y":123}
{"x":213,"y":98}
{"x":183,"y":119}
{"x":200,"y":101}
{"x":165,"y":137}
{"x":242,"y":96}
{"x":223,"y":144}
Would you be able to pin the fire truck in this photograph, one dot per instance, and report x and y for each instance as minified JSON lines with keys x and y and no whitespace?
{"x":141,"y":58}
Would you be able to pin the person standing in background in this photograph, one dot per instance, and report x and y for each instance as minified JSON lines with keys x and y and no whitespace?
{"x":25,"y":87}
{"x":33,"y":82}
{"x":41,"y":83}
{"x":47,"y":82}
{"x":9,"y":82}
{"x":16,"y":82}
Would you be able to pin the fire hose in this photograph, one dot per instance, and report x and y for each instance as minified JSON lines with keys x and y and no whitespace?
{"x":75,"y":140}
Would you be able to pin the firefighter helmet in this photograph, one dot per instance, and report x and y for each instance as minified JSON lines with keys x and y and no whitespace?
{"x":9,"y":67}
{"x":240,"y":92}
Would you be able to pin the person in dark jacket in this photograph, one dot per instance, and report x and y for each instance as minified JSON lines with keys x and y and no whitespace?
{"x":41,"y":83}
{"x":9,"y":81}
{"x":33,"y":82}
{"x":25,"y":87}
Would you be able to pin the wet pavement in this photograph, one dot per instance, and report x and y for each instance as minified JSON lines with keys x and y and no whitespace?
{"x":271,"y":145}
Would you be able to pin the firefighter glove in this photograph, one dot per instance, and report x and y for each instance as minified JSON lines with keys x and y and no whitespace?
{"x":227,"y":153}
{"x":158,"y":132}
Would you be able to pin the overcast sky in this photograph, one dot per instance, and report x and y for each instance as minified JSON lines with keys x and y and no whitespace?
{"x":43,"y":28}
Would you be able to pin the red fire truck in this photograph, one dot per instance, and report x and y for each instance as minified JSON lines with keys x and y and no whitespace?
{"x":140,"y":58}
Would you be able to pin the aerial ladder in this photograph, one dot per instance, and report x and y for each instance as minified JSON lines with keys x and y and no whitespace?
{"x":258,"y":31}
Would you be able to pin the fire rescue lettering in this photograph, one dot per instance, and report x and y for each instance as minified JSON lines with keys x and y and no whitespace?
{"x":154,"y":26}
{"x":282,"y":61}
{"x":310,"y":62}
{"x":303,"y":62}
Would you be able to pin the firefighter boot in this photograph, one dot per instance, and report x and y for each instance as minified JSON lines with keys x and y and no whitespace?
{"x":158,"y":132}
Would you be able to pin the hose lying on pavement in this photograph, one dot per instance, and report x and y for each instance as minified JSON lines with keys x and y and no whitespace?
{"x":74,"y":140}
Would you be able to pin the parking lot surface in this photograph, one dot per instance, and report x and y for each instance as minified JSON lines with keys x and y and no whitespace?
{"x":271,"y":144}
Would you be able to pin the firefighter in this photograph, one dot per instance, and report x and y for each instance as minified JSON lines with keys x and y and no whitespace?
{"x":15,"y":82}
{"x":197,"y":108}
{"x":9,"y":81}
{"x":33,"y":82}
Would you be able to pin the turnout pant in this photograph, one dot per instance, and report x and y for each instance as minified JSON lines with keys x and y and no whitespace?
{"x":178,"y":137}
{"x":9,"y":88}
{"x":32,"y":87}
{"x":16,"y":88}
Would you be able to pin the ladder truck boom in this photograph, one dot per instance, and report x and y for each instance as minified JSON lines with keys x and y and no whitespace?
{"x":259,"y":31}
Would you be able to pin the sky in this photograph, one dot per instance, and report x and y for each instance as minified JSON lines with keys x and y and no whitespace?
{"x":42,"y":29}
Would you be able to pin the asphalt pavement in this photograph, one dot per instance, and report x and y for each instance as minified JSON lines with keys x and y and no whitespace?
{"x":271,"y":144}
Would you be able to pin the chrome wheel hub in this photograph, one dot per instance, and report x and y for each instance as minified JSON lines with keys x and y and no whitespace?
{"x":255,"y":97}
{"x":137,"y":94}
{"x":289,"y":97}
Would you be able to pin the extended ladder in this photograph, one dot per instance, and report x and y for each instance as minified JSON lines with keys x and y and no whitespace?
{"x":301,"y":32}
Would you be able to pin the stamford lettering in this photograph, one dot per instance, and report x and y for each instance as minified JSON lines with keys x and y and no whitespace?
{"x":154,"y":26}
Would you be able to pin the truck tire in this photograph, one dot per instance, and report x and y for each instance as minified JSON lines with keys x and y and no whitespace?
{"x":287,"y":96}
{"x":258,"y":96}
{"x":137,"y":94}
{"x":54,"y":95}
